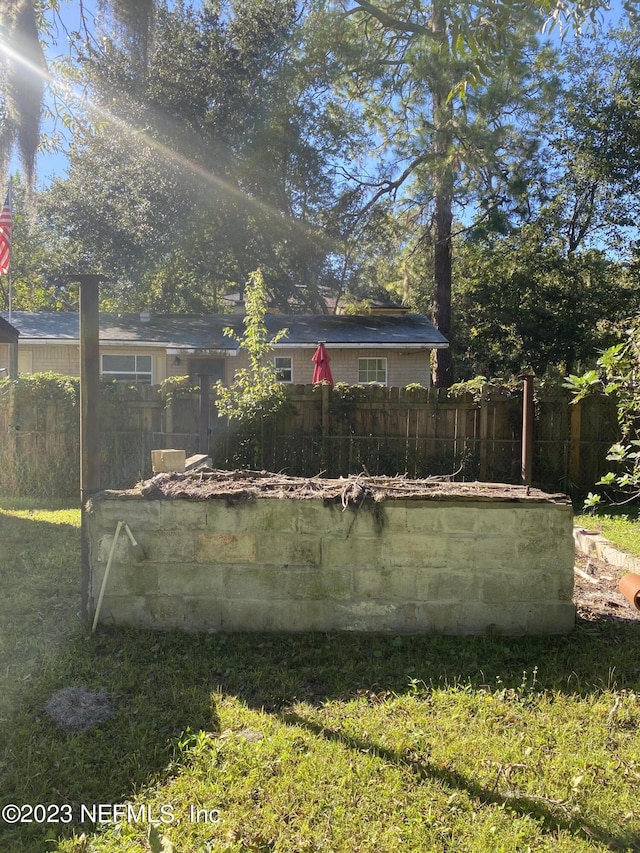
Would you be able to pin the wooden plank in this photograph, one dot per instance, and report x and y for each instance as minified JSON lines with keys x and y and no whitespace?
{"x":574,"y":446}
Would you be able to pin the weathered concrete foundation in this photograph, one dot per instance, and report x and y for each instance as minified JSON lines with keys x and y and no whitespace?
{"x":456,"y":565}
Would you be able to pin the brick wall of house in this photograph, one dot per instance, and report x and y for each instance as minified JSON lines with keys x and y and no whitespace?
{"x":403,"y":367}
{"x":65,"y":358}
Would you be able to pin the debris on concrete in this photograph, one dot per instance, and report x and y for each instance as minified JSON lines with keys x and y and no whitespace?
{"x":206,"y":484}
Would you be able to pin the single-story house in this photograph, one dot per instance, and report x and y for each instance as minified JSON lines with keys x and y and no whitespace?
{"x":149,"y":348}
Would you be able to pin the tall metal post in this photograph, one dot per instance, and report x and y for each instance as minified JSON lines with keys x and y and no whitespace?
{"x":528,"y":413}
{"x":89,"y":386}
{"x":89,"y":415}
{"x":205,"y":403}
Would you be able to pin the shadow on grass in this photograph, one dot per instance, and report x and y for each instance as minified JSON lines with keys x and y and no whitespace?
{"x":163,"y":684}
{"x":160,"y":686}
{"x":553,"y":816}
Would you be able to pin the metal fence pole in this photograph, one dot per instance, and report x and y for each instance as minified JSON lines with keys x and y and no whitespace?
{"x":89,"y":415}
{"x":527,"y":429}
{"x":204,"y":419}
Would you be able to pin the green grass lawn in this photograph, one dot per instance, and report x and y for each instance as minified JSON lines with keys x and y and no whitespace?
{"x":253,"y":743}
{"x":619,"y":524}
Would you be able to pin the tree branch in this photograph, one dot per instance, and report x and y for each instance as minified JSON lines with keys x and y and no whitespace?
{"x":388,"y":187}
{"x":388,"y":20}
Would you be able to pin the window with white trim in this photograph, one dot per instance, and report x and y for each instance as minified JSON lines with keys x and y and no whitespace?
{"x":128,"y":368}
{"x":372,"y":371}
{"x":284,"y":368}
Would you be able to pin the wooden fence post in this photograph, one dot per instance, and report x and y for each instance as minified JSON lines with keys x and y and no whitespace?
{"x":89,"y":416}
{"x":574,"y":442}
{"x":89,"y":387}
{"x":13,"y":360}
{"x":204,"y":419}
{"x":326,"y":424}
{"x":484,"y":433}
{"x":167,"y":411}
{"x":12,"y":437}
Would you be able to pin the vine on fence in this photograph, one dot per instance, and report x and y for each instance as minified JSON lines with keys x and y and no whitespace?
{"x":176,"y":386}
{"x":26,"y":468}
{"x":482,"y":388}
{"x":616,"y":375}
{"x":36,"y":387}
{"x":366,"y":426}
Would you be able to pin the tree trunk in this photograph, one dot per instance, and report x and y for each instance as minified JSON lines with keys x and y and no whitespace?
{"x":442,"y":213}
{"x":443,"y":218}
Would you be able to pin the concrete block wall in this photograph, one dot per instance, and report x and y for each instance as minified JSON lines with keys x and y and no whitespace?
{"x":286,"y":564}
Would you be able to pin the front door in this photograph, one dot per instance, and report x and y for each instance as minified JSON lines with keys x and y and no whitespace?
{"x":212,"y":367}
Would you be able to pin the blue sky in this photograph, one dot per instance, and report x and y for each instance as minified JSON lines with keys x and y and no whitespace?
{"x":52,"y":164}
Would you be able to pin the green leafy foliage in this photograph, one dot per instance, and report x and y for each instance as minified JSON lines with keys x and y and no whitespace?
{"x":481,"y":387}
{"x":616,"y":376}
{"x":255,"y":391}
{"x":523,"y":301}
{"x":619,"y":525}
{"x":31,"y":389}
{"x":221,"y":158}
{"x":175,"y":385}
{"x":447,"y":92}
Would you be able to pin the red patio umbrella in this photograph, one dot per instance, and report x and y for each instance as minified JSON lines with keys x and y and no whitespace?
{"x":322,"y":371}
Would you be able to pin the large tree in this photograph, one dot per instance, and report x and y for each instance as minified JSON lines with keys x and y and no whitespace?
{"x":478,"y":29}
{"x":439,"y":145}
{"x":549,"y":282}
{"x":219,"y":161}
{"x":522,"y":301}
{"x":588,"y":179}
{"x":452,"y":48}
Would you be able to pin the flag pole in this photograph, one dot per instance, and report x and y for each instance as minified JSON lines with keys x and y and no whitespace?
{"x":10,"y":244}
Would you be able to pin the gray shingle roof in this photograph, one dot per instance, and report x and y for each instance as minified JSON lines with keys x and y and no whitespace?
{"x":198,"y":331}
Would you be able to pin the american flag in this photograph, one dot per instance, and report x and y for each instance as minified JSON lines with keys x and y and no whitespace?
{"x":5,"y":237}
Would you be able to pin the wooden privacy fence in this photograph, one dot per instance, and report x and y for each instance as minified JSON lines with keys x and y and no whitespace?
{"x":420,"y":432}
{"x":346,"y":430}
{"x":424,"y":432}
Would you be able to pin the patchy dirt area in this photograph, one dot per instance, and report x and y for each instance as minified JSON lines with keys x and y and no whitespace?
{"x":596,"y":596}
{"x":208,"y":484}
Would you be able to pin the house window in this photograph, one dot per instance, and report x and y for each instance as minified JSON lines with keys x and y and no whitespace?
{"x":372,"y":370}
{"x":284,"y":369}
{"x":127,"y":368}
